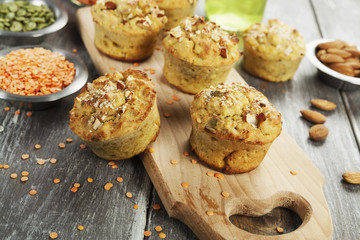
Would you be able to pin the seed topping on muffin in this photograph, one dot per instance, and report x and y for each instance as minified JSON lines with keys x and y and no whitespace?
{"x":135,"y":14}
{"x":104,"y":104}
{"x":203,"y":39}
{"x":237,"y":111}
{"x":275,"y":38}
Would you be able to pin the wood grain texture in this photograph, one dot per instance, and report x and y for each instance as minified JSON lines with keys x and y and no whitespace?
{"x":104,"y":214}
{"x":253,"y":194}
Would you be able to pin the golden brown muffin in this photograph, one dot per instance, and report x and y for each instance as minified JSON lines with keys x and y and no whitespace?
{"x":198,"y":54}
{"x":176,"y":10}
{"x":233,"y":127}
{"x":272,"y":51}
{"x":127,"y":30}
{"x":116,"y":115}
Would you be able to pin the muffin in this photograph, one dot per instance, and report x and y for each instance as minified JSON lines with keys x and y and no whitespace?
{"x":198,"y":54}
{"x":176,"y":10}
{"x":116,"y":115}
{"x":272,"y":51}
{"x":233,"y":126}
{"x":127,"y":30}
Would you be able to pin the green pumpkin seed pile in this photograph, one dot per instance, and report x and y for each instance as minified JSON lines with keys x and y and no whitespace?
{"x":21,"y":16}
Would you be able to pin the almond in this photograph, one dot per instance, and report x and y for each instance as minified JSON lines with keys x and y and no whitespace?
{"x":343,"y":68}
{"x":352,"y":177}
{"x":110,"y":5}
{"x":323,"y":104}
{"x":313,"y":116}
{"x":331,"y":58}
{"x":334,"y":44}
{"x":353,"y":50}
{"x":354,"y":65}
{"x":339,"y":52}
{"x":321,"y":52}
{"x":357,"y":73}
{"x":352,"y":59}
{"x":318,"y":132}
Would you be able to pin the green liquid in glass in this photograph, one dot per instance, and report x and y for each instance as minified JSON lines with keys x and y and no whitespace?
{"x":235,"y":15}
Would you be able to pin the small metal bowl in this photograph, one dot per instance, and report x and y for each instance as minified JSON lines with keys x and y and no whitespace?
{"x":326,"y":74}
{"x":46,"y":101}
{"x":38,"y":36}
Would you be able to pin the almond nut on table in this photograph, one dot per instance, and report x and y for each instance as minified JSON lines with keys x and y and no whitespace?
{"x":323,"y":104}
{"x":313,"y":116}
{"x":352,"y":177}
{"x":318,"y":132}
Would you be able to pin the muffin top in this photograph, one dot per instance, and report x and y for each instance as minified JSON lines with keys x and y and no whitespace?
{"x":112,"y":105}
{"x":202,"y":43}
{"x":236,"y":112}
{"x":275,"y":39}
{"x":129,"y":16}
{"x":170,"y":4}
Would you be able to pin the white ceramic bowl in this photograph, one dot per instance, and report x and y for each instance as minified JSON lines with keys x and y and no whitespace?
{"x":326,"y":74}
{"x":46,"y":101}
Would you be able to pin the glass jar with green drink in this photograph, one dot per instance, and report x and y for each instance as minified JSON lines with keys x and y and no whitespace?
{"x":235,"y":15}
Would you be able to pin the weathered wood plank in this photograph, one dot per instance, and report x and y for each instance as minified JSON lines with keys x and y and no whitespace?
{"x":104,"y":214}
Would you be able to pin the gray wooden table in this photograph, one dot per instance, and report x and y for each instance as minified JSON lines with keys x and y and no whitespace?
{"x":110,"y":214}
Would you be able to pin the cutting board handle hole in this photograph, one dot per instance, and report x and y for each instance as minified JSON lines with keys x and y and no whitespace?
{"x":287,"y":210}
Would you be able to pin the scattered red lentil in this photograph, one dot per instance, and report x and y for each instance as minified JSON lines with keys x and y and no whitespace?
{"x":1,"y":166}
{"x":37,"y":146}
{"x":167,"y":114}
{"x":112,"y":69}
{"x":136,"y":206}
{"x":293,"y":172}
{"x":174,"y":162}
{"x":53,"y":160}
{"x":158,"y":48}
{"x":35,"y":71}
{"x":6,"y":109}
{"x":147,"y":233}
{"x":111,"y":163}
{"x":119,"y":179}
{"x":80,"y":227}
{"x":82,"y":146}
{"x":62,"y":145}
{"x":69,"y":140}
{"x":57,"y":180}
{"x":33,"y":192}
{"x":108,"y":186}
{"x":53,"y":235}
{"x":158,"y":228}
{"x":74,"y":50}
{"x":17,"y":112}
{"x":186,"y":153}
{"x":114,"y":166}
{"x":24,"y":173}
{"x":185,"y":185}
{"x":90,"y":180}
{"x":29,"y":114}
{"x":279,"y":229}
{"x":175,"y":98}
{"x":136,"y":64}
{"x":152,"y":71}
{"x":225,"y":194}
{"x":162,"y":235}
{"x":6,"y":166}
{"x":193,"y":161}
{"x":74,"y":189}
{"x":219,"y":175}
{"x":13,"y":175}
{"x":210,"y":213}
{"x":151,"y":150}
{"x":169,"y":102}
{"x":129,"y":194}
{"x":41,"y":161}
{"x":77,"y":185}
{"x":156,"y":207}
{"x":24,"y":179}
{"x":25,"y":156}
{"x":210,"y":174}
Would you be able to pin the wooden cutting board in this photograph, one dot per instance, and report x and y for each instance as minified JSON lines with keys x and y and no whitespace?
{"x":256,"y":193}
